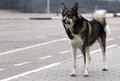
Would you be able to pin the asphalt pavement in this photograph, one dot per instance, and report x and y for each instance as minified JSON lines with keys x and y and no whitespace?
{"x":39,"y":50}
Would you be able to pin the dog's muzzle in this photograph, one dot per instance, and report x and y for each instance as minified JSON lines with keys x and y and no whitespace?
{"x":66,"y":22}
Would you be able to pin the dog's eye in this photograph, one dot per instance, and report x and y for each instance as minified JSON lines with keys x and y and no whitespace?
{"x":69,"y":16}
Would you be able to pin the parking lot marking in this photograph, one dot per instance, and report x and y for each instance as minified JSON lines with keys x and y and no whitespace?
{"x":108,"y":47}
{"x":2,"y":69}
{"x":23,"y":63}
{"x":37,"y":45}
{"x":67,"y":51}
{"x":33,"y":46}
{"x":110,"y":39}
{"x":29,"y":72}
{"x":46,"y":57}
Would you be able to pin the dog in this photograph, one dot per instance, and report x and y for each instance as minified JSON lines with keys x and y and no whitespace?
{"x":83,"y":34}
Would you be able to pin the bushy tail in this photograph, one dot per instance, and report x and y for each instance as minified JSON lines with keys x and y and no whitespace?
{"x":99,"y":15}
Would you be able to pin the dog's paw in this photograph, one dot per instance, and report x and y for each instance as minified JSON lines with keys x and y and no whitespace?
{"x":73,"y":74}
{"x":105,"y":69}
{"x":86,"y":74}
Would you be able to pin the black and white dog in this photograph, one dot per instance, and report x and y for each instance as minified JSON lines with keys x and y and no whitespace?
{"x":83,"y":33}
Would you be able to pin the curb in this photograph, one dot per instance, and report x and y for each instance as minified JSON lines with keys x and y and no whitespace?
{"x":48,"y":18}
{"x":109,"y":15}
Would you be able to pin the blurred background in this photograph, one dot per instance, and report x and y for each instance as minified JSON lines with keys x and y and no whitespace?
{"x":53,"y":6}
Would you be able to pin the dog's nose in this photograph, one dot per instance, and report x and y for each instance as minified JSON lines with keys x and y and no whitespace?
{"x":63,"y":21}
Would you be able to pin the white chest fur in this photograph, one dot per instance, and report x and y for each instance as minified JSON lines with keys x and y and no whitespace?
{"x":77,"y":42}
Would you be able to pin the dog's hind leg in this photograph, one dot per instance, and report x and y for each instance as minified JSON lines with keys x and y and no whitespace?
{"x":102,"y":42}
{"x":74,"y":50}
{"x":88,"y":52}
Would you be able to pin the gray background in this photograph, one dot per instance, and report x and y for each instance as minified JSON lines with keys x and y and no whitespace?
{"x":41,"y":5}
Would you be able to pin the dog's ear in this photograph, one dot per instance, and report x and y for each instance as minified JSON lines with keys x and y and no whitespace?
{"x":63,"y":7}
{"x":75,"y":7}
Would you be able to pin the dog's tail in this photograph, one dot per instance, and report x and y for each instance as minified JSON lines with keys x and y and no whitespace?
{"x":99,"y":15}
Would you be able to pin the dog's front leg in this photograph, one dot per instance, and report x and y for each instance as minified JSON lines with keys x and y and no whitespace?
{"x":74,"y":51}
{"x":86,"y":61}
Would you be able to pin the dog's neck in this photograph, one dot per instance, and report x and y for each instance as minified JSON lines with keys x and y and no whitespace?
{"x":78,"y":26}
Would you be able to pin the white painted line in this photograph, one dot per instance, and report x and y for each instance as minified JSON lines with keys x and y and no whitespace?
{"x":23,"y":63}
{"x":2,"y":69}
{"x":108,"y":47}
{"x":33,"y":46}
{"x":29,"y":72}
{"x":46,"y":57}
{"x":95,"y":51}
{"x":98,"y":50}
{"x":110,"y":39}
{"x":111,"y":46}
{"x":67,"y":51}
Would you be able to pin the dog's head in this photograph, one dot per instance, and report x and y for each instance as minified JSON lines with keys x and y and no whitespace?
{"x":70,"y":16}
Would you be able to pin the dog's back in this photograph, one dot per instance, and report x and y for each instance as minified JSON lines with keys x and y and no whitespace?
{"x":98,"y":26}
{"x":95,"y":29}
